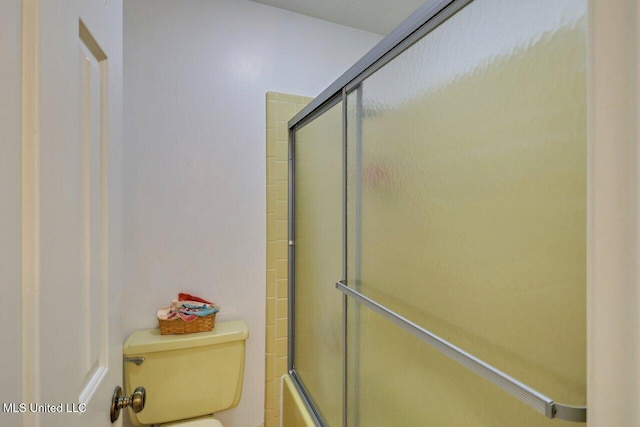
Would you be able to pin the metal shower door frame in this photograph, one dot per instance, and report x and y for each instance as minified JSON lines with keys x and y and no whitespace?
{"x":424,"y":20}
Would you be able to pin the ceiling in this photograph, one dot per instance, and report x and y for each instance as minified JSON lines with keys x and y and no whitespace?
{"x":376,"y":16}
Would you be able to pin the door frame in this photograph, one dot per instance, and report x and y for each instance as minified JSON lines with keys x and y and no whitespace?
{"x":613,"y":216}
{"x":30,"y":209}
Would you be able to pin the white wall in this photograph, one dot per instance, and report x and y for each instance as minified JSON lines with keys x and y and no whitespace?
{"x":10,"y":207}
{"x":196,"y":73}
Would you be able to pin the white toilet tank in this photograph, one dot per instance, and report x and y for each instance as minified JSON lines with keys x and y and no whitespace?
{"x":185,"y":376}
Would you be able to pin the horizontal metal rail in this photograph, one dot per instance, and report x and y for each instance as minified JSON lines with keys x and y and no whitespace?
{"x":538,"y":401}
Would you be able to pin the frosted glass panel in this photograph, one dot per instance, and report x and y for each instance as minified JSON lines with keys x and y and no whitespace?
{"x":467,"y":215}
{"x":397,"y":380}
{"x":318,"y":262}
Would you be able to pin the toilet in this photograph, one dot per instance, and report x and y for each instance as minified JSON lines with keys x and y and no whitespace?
{"x":187,"y":378}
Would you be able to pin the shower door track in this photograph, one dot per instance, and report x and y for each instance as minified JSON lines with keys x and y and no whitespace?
{"x":538,"y":401}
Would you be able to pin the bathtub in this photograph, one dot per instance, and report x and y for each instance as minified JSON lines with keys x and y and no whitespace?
{"x":294,"y":411}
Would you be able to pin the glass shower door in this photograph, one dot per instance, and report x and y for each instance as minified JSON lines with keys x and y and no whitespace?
{"x":456,"y":182}
{"x":317,"y":314}
{"x":466,"y":205}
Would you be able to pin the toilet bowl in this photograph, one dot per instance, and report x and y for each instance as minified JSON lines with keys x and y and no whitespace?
{"x":187,"y":377}
{"x":196,"y":422}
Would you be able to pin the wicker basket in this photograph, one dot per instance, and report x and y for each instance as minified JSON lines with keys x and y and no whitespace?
{"x":178,"y":326}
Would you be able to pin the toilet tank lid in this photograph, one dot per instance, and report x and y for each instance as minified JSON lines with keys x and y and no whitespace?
{"x":150,"y":340}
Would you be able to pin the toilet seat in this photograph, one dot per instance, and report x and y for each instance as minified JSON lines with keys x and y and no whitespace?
{"x":209,"y":421}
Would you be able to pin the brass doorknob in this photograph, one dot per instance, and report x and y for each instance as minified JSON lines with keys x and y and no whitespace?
{"x":135,"y":401}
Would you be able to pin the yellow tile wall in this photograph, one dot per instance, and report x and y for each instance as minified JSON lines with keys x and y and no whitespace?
{"x":280,"y":108}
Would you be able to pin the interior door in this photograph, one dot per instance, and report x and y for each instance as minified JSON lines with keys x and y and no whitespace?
{"x":71,"y":210}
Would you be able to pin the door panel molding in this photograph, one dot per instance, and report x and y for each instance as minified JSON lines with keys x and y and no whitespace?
{"x":93,"y":87}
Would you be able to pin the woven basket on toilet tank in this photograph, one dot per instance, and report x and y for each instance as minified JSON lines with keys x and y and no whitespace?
{"x":178,"y":326}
